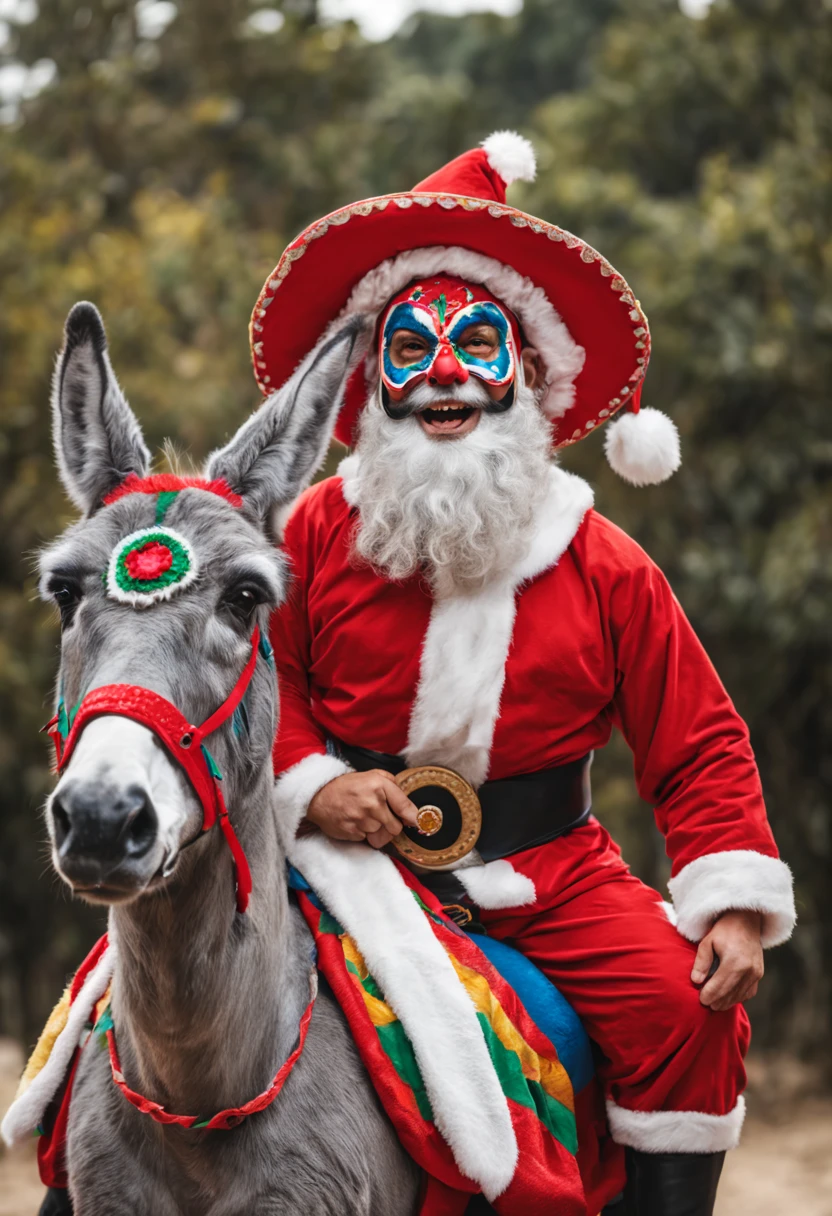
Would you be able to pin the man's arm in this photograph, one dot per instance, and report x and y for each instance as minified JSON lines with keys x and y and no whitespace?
{"x":315,"y":788}
{"x":694,"y":764}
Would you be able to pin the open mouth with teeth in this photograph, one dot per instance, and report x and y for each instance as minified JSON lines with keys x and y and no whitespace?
{"x":450,"y":419}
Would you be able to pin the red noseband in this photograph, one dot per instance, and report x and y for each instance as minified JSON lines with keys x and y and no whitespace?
{"x":183,"y":742}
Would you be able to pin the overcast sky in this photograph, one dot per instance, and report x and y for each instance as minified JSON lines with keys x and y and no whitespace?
{"x":381,"y":18}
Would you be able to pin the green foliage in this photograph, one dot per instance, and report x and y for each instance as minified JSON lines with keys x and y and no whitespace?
{"x":161,"y":177}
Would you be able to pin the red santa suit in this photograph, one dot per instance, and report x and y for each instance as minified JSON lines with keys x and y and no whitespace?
{"x":530,"y":673}
{"x":535,"y":669}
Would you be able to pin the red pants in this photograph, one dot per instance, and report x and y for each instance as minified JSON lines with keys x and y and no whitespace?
{"x":604,"y":939}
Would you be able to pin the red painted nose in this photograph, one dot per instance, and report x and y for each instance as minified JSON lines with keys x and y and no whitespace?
{"x":447,"y":369}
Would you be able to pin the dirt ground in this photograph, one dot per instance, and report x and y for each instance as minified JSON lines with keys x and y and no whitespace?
{"x":783,"y":1167}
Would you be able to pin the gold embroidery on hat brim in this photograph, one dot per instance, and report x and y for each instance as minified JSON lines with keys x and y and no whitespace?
{"x":552,"y":232}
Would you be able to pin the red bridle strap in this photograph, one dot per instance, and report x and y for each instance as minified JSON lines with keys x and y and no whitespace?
{"x":182,"y":740}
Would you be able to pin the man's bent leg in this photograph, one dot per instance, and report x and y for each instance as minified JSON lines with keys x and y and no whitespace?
{"x":672,"y":1069}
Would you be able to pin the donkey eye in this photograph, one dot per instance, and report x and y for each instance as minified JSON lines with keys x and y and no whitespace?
{"x":243,"y":600}
{"x":67,"y":595}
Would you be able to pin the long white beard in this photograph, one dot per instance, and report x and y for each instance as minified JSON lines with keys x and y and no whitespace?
{"x":460,"y":509}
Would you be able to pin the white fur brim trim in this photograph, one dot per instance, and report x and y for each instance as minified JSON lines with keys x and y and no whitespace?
{"x":296,"y":788}
{"x":643,"y":448}
{"x":560,"y":353}
{"x":365,"y":892}
{"x":676,"y":1131}
{"x":25,"y":1114}
{"x":497,"y":885}
{"x":511,"y":155}
{"x":733,"y":881}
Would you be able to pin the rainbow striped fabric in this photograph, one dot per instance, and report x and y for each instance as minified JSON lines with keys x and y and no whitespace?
{"x":535,"y":1083}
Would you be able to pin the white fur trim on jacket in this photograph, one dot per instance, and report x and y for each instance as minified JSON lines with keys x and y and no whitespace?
{"x":296,"y":788}
{"x":26,"y":1112}
{"x":510,"y":155}
{"x":676,"y":1131}
{"x":497,"y":885}
{"x":560,"y":353}
{"x":738,"y":879}
{"x":365,"y":892}
{"x":349,"y":470}
{"x":462,"y":668}
{"x":461,"y":678}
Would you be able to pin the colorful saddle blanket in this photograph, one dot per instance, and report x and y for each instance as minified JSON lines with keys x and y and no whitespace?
{"x":536,"y":1085}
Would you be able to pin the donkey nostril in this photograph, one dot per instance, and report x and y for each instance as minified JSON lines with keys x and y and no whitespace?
{"x":141,"y":824}
{"x":60,"y":822}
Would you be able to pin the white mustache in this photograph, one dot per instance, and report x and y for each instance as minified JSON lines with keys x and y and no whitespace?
{"x":472,"y":392}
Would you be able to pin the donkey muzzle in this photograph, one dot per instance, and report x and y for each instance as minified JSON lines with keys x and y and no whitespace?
{"x":100,"y":831}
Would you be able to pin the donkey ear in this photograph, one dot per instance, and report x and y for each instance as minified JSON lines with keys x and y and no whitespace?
{"x":275,"y":454}
{"x":97,"y":438}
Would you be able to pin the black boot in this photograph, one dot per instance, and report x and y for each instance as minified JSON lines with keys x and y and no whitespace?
{"x":671,"y":1184}
{"x":56,"y":1202}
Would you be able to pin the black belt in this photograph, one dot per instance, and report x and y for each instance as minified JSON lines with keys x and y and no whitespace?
{"x":517,"y":812}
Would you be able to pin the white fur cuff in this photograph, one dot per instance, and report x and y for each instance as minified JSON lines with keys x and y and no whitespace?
{"x":737,"y":880}
{"x":676,"y":1131}
{"x":296,"y":788}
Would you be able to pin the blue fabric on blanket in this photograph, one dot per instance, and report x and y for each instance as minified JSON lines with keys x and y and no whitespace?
{"x":546,"y":1007}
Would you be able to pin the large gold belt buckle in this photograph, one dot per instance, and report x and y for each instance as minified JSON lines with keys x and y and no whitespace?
{"x":459,"y":813}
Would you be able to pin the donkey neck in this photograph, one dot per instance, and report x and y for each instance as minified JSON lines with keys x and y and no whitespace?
{"x":206,"y":1001}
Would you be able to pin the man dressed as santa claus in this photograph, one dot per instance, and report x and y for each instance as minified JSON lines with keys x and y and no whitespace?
{"x":457,"y":602}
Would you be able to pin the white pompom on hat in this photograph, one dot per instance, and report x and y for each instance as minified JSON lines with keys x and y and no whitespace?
{"x":511,"y":155}
{"x":642,"y":445}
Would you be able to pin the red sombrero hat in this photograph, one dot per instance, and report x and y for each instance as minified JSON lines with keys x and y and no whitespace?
{"x":589,"y":328}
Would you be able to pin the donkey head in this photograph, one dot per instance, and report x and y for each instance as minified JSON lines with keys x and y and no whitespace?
{"x":163,"y":590}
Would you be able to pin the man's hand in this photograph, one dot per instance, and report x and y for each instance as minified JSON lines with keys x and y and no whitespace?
{"x":735,"y":941}
{"x":362,"y":806}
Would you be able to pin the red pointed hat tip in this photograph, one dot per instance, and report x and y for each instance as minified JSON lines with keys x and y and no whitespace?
{"x":469,"y":175}
{"x":484,"y":172}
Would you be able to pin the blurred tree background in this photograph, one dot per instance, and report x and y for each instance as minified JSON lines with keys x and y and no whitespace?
{"x":163,"y":154}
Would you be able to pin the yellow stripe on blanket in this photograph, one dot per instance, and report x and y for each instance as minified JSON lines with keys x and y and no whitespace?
{"x":551,"y":1075}
{"x":43,"y":1048}
{"x":379,"y":1011}
{"x":48,"y":1036}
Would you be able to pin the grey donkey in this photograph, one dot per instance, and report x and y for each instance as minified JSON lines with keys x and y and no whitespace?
{"x":206,"y":1001}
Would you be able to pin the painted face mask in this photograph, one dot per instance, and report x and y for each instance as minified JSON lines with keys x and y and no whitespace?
{"x":440,"y":310}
